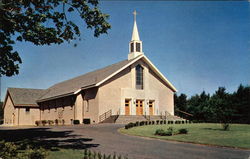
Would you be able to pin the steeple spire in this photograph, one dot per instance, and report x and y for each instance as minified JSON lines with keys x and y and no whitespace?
{"x":135,"y":34}
{"x":135,"y":45}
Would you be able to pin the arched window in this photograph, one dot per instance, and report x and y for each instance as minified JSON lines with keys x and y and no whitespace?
{"x":139,"y":77}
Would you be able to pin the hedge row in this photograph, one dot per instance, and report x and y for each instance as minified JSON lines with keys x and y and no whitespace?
{"x":157,"y":122}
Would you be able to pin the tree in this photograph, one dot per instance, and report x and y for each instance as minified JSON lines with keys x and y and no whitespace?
{"x":180,"y":103}
{"x":1,"y":111}
{"x":43,"y":23}
{"x":221,"y":106}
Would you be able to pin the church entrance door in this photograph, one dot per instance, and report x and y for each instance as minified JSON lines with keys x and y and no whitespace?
{"x":139,"y":107}
{"x":127,"y":107}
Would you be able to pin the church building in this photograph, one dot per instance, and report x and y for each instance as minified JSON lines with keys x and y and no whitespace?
{"x":130,"y":88}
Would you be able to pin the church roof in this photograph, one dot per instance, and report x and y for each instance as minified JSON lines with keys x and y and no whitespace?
{"x":88,"y":80}
{"x":25,"y":96}
{"x":30,"y":97}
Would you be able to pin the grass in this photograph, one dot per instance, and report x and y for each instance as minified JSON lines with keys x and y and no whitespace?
{"x":211,"y":134}
{"x":66,"y":154}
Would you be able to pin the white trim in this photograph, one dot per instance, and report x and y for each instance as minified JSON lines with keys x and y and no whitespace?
{"x":113,"y":74}
{"x":76,"y":92}
{"x":149,"y":63}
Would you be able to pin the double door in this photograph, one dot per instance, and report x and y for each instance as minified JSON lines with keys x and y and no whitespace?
{"x":139,"y":107}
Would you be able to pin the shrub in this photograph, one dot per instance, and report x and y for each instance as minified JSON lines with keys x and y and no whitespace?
{"x":137,"y":123}
{"x":142,"y":123}
{"x":76,"y":122}
{"x":157,"y":122}
{"x":182,"y":131}
{"x":160,"y":132}
{"x":225,"y":126}
{"x":56,"y":122}
{"x":8,"y":150}
{"x":35,"y":153}
{"x":51,"y":122}
{"x":44,"y":122}
{"x":170,"y":131}
{"x":63,"y":122}
{"x":129,"y":125}
{"x":38,"y":122}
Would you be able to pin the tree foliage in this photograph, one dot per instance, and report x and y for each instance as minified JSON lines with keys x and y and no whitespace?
{"x":43,"y":22}
{"x":221,"y":107}
{"x":1,"y":110}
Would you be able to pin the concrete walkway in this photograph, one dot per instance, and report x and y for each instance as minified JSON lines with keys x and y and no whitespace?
{"x":106,"y":139}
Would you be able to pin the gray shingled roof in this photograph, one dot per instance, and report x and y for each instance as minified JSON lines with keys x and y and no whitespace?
{"x":89,"y":79}
{"x":25,"y":96}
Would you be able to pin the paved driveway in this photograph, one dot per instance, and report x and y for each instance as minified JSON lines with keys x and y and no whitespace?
{"x":105,"y":138}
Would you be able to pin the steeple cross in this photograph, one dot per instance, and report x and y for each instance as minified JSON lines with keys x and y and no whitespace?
{"x":135,"y":13}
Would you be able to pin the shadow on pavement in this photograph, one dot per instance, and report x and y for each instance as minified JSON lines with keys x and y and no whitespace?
{"x":46,"y":138}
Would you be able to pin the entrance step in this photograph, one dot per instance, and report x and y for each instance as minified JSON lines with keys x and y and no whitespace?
{"x":124,"y":119}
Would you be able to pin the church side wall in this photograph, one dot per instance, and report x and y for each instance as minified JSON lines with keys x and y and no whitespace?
{"x":91,"y":105}
{"x":10,"y":115}
{"x":110,"y":92}
{"x":165,"y":95}
{"x":28,"y":117}
{"x":61,"y":109}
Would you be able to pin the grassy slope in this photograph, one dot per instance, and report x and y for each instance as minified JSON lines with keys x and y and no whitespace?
{"x":238,"y":136}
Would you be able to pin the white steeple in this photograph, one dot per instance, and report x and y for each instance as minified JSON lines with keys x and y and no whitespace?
{"x":135,"y":34}
{"x":135,"y":45}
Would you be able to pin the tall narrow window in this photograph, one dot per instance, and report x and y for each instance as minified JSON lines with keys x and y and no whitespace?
{"x":139,"y":77}
{"x":131,"y":47}
{"x":138,"y":47}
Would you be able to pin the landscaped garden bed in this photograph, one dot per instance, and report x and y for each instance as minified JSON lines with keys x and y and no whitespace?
{"x":205,"y":133}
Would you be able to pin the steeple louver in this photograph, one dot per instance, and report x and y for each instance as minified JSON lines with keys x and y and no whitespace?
{"x":135,"y":45}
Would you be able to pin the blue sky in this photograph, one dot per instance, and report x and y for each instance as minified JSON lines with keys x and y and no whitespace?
{"x":196,"y":45}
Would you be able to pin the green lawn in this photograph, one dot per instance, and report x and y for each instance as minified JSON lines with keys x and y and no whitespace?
{"x":212,"y":134}
{"x":66,"y":154}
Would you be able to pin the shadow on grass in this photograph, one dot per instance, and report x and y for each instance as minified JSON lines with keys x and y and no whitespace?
{"x":215,"y":129}
{"x":46,"y":138}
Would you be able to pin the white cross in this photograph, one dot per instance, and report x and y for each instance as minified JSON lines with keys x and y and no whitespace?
{"x":135,"y":13}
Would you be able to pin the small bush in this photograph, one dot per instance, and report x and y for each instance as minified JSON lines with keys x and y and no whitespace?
{"x":38,"y":122}
{"x":63,"y":122}
{"x":170,"y":131}
{"x":44,"y":122}
{"x":51,"y":122}
{"x":137,"y":123}
{"x":157,"y":122}
{"x":56,"y":121}
{"x":225,"y":126}
{"x":182,"y":131}
{"x":160,"y":132}
{"x":141,"y":123}
{"x":8,"y":150}
{"x":129,"y":125}
{"x":35,"y":153}
{"x":76,"y":122}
